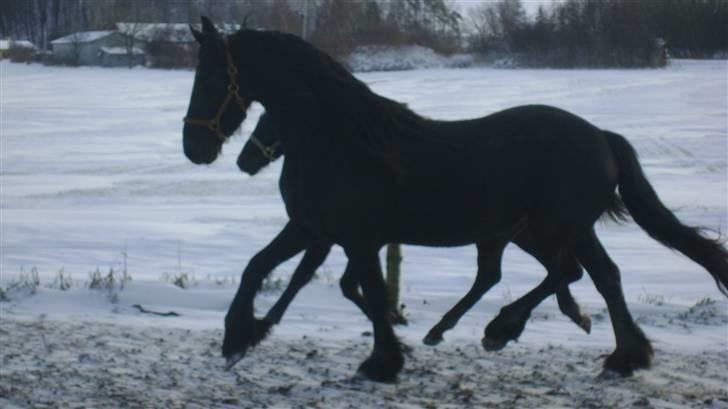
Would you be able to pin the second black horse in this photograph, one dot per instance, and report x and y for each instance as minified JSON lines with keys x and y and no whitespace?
{"x":264,"y":146}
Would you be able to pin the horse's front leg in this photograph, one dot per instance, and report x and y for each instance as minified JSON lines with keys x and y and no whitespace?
{"x":241,"y":331}
{"x":386,"y":360}
{"x":312,"y":259}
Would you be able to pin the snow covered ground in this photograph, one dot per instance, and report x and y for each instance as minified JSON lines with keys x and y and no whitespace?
{"x":92,"y":175}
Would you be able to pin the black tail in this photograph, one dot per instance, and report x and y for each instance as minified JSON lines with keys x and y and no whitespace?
{"x":659,"y":222}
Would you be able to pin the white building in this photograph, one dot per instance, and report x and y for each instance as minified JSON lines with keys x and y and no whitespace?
{"x":85,"y":48}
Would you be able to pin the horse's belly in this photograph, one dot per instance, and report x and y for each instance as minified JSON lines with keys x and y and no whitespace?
{"x":434,"y":237}
{"x":454,"y":226}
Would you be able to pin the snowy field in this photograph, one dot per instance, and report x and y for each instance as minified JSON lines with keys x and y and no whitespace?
{"x":92,"y":176}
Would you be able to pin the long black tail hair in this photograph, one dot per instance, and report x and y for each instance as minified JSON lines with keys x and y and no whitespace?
{"x":659,"y":222}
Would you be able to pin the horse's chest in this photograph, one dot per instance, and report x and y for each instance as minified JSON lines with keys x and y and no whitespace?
{"x":329,"y":203}
{"x":301,"y":195}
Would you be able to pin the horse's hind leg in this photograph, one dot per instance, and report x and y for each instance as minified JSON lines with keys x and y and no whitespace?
{"x":312,"y":259}
{"x":633,"y":349}
{"x":511,"y":321}
{"x":489,"y":274}
{"x":572,"y":273}
{"x":386,"y":359}
{"x":566,"y":301}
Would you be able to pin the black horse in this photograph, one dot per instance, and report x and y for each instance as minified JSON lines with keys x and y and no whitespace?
{"x":361,"y":171}
{"x":264,"y":146}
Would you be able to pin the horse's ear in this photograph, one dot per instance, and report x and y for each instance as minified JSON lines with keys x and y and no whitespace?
{"x":208,"y":28}
{"x":197,"y":34}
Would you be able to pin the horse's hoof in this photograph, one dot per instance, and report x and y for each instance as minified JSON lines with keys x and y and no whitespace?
{"x":375,"y":375}
{"x":432,"y":339}
{"x":490,"y":344}
{"x":238,"y":340}
{"x":625,"y":363}
{"x":585,"y":323}
{"x":377,"y":368}
{"x":233,"y":359}
{"x":235,"y":344}
{"x":609,"y":375}
{"x":358,"y":377}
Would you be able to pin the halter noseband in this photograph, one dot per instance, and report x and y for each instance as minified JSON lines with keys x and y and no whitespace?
{"x":269,"y":152}
{"x":232,"y":92}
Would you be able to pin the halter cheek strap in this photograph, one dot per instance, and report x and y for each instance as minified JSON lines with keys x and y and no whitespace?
{"x":269,"y":152}
{"x":232,"y":93}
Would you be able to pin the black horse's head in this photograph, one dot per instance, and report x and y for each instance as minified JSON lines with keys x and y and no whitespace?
{"x":263,"y":147}
{"x":217,"y":106}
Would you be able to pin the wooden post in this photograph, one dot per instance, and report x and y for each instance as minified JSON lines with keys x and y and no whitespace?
{"x":394,"y":260}
{"x":308,"y":18}
{"x":304,"y":17}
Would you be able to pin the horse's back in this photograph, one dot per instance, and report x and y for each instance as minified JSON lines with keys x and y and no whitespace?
{"x":486,"y":174}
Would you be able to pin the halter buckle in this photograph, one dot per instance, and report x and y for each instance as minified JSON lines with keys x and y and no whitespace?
{"x":269,"y":153}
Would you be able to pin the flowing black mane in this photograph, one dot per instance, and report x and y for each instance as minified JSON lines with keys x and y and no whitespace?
{"x":372,"y":121}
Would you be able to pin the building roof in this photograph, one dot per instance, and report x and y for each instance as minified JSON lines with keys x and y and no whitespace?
{"x":170,"y":32}
{"x":8,"y":44}
{"x":82,"y":37}
{"x":121,"y":50}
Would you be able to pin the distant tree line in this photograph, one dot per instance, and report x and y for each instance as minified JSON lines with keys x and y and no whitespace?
{"x":335,"y":25}
{"x":625,"y":33}
{"x":598,"y":33}
{"x":342,"y":26}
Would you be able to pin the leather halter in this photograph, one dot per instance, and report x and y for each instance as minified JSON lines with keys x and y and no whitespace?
{"x":232,"y":93}
{"x":269,"y":152}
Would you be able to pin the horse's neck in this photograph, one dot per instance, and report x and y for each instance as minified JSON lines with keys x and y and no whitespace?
{"x":298,"y":123}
